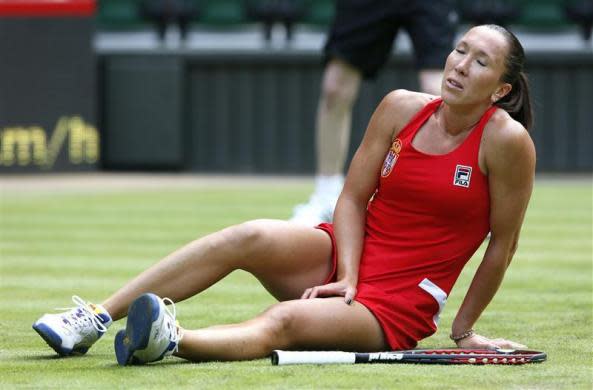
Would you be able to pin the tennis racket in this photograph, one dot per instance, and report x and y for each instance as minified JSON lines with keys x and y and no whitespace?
{"x":419,"y":356}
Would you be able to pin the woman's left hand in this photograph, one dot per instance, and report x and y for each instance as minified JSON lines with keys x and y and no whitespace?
{"x":476,"y":341}
{"x":341,"y":288}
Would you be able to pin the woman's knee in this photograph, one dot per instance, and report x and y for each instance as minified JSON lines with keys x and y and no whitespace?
{"x":249,"y":239}
{"x":279,"y":326}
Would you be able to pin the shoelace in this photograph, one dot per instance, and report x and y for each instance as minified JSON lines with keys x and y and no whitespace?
{"x":176,"y":334}
{"x":87,"y":312}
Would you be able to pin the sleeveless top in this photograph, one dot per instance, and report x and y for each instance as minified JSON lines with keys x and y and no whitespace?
{"x":428,"y":216}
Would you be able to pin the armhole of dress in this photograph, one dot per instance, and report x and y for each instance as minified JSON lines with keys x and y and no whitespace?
{"x":475,"y":138}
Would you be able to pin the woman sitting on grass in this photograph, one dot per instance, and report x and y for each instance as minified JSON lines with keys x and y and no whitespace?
{"x":431,"y":178}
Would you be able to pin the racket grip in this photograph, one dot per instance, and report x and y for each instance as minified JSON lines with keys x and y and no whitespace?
{"x":311,"y":357}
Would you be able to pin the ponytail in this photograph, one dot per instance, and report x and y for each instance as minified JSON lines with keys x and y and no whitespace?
{"x":518,"y":102}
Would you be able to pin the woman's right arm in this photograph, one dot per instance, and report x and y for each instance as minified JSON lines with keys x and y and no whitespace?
{"x":361,"y":183}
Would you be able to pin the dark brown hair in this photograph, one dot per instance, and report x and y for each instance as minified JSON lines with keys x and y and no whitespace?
{"x":518,"y":101}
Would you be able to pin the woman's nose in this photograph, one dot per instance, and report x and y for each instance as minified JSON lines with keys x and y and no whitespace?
{"x":462,"y":67}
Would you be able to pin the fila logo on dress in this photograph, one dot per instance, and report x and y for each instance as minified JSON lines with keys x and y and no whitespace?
{"x":463,"y":175}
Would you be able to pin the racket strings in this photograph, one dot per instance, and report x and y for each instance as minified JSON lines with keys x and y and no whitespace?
{"x":479,"y":356}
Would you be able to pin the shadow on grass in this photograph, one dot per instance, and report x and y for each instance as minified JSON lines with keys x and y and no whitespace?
{"x":45,"y":357}
{"x":109,"y":360}
{"x":167,"y":363}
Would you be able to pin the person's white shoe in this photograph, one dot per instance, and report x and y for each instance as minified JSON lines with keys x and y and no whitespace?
{"x":317,"y":210}
{"x":321,"y":204}
{"x":74,"y":331}
{"x":151,"y":332}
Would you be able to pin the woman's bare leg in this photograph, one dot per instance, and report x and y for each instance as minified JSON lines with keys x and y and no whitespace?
{"x":285,"y":257}
{"x":320,"y":323}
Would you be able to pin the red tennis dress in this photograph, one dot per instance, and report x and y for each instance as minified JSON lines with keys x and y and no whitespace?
{"x":429,"y":215}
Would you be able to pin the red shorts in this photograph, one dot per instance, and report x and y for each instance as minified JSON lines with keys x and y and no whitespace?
{"x":406,"y":316}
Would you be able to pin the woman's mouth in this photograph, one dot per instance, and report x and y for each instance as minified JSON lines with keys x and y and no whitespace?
{"x":454,"y":84}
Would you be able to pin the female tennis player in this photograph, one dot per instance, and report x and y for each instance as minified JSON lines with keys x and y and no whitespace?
{"x":431,"y":178}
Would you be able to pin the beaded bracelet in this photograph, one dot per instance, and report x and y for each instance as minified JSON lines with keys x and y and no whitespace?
{"x":462,"y":336}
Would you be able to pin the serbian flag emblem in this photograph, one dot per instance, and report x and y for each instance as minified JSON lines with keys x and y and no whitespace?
{"x":391,"y":158}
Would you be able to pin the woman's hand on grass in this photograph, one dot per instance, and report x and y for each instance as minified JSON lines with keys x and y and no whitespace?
{"x":477,"y":341}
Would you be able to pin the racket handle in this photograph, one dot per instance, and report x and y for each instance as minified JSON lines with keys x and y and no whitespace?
{"x":311,"y":357}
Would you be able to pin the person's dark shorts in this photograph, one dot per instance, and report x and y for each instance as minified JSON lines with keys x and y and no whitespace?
{"x":363,"y":32}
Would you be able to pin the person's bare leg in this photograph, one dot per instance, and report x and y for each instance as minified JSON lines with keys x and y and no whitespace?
{"x":340,"y":86}
{"x":286,"y":258}
{"x":341,"y":83}
{"x":430,"y":81}
{"x":321,"y":323}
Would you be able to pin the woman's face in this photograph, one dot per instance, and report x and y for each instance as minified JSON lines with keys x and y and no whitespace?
{"x":474,"y":68}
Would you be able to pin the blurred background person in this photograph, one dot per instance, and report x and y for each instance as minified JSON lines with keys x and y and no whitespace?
{"x":358,"y":45}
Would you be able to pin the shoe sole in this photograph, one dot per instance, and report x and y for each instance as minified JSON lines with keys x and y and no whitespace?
{"x":52,"y":339}
{"x":141,"y":314}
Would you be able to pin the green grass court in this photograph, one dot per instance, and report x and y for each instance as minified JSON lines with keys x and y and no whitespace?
{"x":57,"y":243}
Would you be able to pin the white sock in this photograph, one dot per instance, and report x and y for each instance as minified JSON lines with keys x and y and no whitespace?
{"x":329,"y":186}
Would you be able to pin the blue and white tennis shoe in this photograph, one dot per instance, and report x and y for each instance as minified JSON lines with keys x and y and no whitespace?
{"x":151,"y":332}
{"x":74,"y":331}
